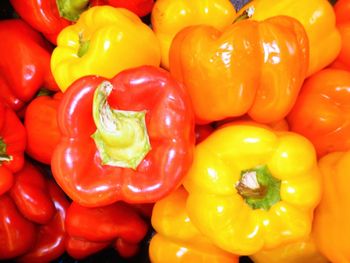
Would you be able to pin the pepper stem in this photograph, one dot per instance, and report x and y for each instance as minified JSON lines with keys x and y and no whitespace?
{"x":248,"y":13}
{"x":4,"y":157}
{"x":259,"y":188}
{"x":71,"y":9}
{"x":121,"y":136}
{"x":83,"y":46}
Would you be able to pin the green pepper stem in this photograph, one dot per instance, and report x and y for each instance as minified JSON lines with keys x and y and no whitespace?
{"x":121,"y":136}
{"x":259,"y":188}
{"x":71,"y":9}
{"x":4,"y":157}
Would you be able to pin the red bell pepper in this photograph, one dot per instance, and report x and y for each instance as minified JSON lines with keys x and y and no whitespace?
{"x":130,"y":138}
{"x":139,"y":7}
{"x":51,"y":240}
{"x":24,"y":63}
{"x":31,"y":195}
{"x":17,"y":234}
{"x":12,"y":146}
{"x":40,"y":121}
{"x":50,"y":16}
{"x":80,"y":248}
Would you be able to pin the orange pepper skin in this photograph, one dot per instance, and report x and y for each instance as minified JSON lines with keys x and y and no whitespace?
{"x":342,"y":11}
{"x":170,"y":16}
{"x":331,"y":222}
{"x":250,"y":67}
{"x":318,"y":19}
{"x":321,"y":112}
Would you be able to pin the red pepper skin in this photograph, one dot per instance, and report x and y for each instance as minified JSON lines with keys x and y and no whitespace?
{"x":31,"y":195}
{"x":126,"y":249}
{"x":203,"y":131}
{"x":51,"y":239}
{"x":76,"y":163}
{"x":139,"y":7}
{"x":12,"y":146}
{"x":40,"y":122}
{"x":17,"y":234}
{"x":25,"y":62}
{"x":80,"y":248}
{"x":105,"y":223}
{"x":42,"y":16}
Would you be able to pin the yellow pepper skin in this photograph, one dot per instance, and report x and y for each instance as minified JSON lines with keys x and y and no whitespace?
{"x":104,"y":41}
{"x":253,"y":188}
{"x":302,"y":251}
{"x":318,"y":19}
{"x":170,"y":16}
{"x":177,"y":239}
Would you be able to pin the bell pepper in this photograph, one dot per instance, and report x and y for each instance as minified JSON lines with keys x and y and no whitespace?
{"x":170,"y":16}
{"x":253,"y":188}
{"x":331,"y":223}
{"x":129,"y":138}
{"x":24,"y":64}
{"x":30,"y":194}
{"x":301,"y":251}
{"x":40,"y":122}
{"x":104,"y":41}
{"x":50,"y":243}
{"x":80,"y":248}
{"x":12,"y":146}
{"x":321,"y":111}
{"x":177,"y":239}
{"x":250,"y":67}
{"x":316,"y":16}
{"x":139,"y":7}
{"x":17,"y":234}
{"x":342,"y":9}
{"x":203,"y":131}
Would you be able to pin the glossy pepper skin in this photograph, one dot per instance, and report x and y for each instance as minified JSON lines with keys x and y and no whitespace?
{"x":250,"y":67}
{"x":51,"y":239}
{"x":342,"y":9}
{"x":12,"y":146}
{"x":31,"y":195}
{"x":331,"y":219}
{"x":17,"y":234}
{"x":170,"y":16}
{"x":40,"y":122}
{"x":316,"y":16}
{"x":177,"y":239}
{"x":301,"y":251}
{"x":24,"y":64}
{"x":104,"y":41}
{"x":252,"y":188}
{"x":139,"y":7}
{"x":142,"y":159}
{"x":321,"y":112}
{"x":81,"y":248}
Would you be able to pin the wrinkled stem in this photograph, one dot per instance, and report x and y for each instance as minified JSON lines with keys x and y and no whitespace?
{"x":259,"y":188}
{"x":71,"y":9}
{"x":121,"y":136}
{"x":4,"y":157}
{"x":248,"y":13}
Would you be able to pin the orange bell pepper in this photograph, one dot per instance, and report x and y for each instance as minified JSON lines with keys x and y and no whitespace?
{"x":342,"y":11}
{"x":318,"y":19}
{"x":321,"y":112}
{"x":177,"y":239}
{"x":331,"y":223}
{"x":170,"y":16}
{"x":251,"y":67}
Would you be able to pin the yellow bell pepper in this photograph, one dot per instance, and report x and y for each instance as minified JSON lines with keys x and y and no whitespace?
{"x":170,"y":16}
{"x":104,"y":41}
{"x":301,"y":251}
{"x":253,"y":188}
{"x":177,"y":239}
{"x":318,"y":19}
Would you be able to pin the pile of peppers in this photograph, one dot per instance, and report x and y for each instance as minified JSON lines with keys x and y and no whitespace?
{"x":175,"y":131}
